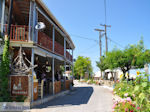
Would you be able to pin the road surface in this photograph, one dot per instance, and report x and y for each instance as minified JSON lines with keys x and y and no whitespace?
{"x":85,"y":98}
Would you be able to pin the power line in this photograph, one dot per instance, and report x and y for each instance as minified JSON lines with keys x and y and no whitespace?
{"x":74,"y":35}
{"x":88,"y":48}
{"x":97,"y":42}
{"x":116,"y":43}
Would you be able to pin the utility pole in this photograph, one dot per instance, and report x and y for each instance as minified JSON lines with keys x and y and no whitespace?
{"x":100,"y":42}
{"x":106,"y":39}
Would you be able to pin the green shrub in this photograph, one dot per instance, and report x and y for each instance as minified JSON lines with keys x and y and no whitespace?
{"x":4,"y":72}
{"x":123,"y":88}
{"x":138,"y":91}
{"x":126,"y":105}
{"x":142,"y":92}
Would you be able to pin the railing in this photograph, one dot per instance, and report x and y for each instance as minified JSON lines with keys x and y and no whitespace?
{"x":45,"y":41}
{"x":18,"y":32}
{"x":68,"y":56}
{"x":59,"y":49}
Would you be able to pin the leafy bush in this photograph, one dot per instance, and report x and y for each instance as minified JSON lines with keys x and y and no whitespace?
{"x":4,"y":72}
{"x":142,"y":92}
{"x":138,"y":91}
{"x":125,"y":105}
{"x":123,"y":88}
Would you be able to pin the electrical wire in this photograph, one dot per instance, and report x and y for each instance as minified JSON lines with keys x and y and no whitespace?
{"x":116,"y":43}
{"x":87,"y":38}
{"x":74,"y":35}
{"x":84,"y":51}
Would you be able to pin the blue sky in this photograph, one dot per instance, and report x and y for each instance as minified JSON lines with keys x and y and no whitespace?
{"x":130,"y":19}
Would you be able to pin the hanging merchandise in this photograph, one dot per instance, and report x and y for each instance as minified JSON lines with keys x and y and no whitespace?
{"x":48,"y":67}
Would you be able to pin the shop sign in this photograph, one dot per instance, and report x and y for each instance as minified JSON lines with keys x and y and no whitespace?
{"x":19,"y":85}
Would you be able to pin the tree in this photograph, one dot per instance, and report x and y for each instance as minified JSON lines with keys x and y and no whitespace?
{"x":102,"y":65}
{"x":132,"y":57}
{"x":82,"y":65}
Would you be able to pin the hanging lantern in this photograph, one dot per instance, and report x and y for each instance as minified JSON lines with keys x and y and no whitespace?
{"x":37,"y":58}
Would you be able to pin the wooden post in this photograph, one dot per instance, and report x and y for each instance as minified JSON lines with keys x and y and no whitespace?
{"x":64,"y":47}
{"x":36,"y":40}
{"x":53,"y":74}
{"x":69,"y":53}
{"x":53,"y":39}
{"x":34,"y":22}
{"x":100,"y":45}
{"x":30,"y":20}
{"x":65,"y":76}
{"x":32,"y":61}
{"x":2,"y":16}
{"x":10,"y":18}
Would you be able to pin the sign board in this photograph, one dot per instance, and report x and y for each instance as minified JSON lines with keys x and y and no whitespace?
{"x":19,"y":85}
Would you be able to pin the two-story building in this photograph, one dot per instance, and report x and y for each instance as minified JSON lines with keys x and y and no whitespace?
{"x":50,"y":47}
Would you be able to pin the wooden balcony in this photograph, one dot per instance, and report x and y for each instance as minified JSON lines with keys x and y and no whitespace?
{"x":68,"y":56}
{"x":59,"y":49}
{"x":47,"y":42}
{"x":18,"y":32}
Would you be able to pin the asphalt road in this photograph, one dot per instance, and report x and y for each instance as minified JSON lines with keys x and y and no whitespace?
{"x":84,"y":98}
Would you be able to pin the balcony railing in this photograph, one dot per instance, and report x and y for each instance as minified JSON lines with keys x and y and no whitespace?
{"x":59,"y":49}
{"x":68,"y":56}
{"x":45,"y":41}
{"x":18,"y":32}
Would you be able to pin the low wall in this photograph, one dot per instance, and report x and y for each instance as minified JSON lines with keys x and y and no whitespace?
{"x":61,"y":86}
{"x":57,"y":87}
{"x":108,"y":83}
{"x":67,"y":84}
